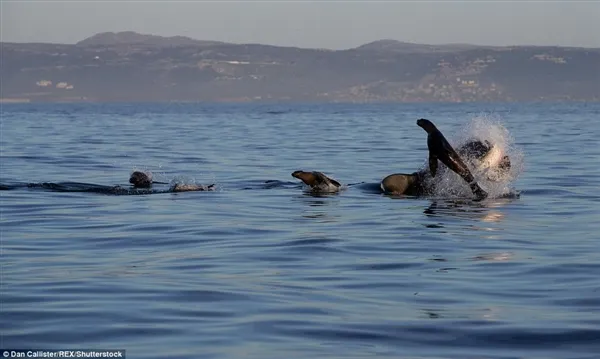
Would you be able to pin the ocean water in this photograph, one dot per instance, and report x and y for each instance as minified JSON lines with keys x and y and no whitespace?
{"x":261,"y":268}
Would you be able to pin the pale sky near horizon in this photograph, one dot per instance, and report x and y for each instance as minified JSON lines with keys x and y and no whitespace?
{"x":314,"y":24}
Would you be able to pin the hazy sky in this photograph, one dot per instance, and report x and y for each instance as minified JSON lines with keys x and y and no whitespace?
{"x":323,"y":24}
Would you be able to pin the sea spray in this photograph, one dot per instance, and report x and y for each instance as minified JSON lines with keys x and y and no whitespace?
{"x":489,"y":130}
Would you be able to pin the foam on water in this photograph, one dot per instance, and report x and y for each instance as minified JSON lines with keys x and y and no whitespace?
{"x":483,"y":128}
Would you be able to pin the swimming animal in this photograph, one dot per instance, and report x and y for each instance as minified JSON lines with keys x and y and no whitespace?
{"x":141,"y":179}
{"x":481,"y":154}
{"x":144,"y":180}
{"x":440,"y":149}
{"x":407,"y":184}
{"x":317,"y":181}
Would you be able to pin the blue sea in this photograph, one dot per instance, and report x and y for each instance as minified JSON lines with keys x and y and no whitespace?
{"x":262,"y":268}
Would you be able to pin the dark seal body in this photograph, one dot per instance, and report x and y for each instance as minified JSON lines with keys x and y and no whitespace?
{"x":140,"y":179}
{"x":440,"y":149}
{"x":404,"y":184}
{"x":317,"y":181}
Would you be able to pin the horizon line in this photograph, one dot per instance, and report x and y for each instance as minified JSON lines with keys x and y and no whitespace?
{"x":291,"y":46}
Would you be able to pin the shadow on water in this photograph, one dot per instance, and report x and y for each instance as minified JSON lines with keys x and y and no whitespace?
{"x":317,"y":204}
{"x":266,"y":184}
{"x":315,"y":194}
{"x":484,"y":217}
{"x":372,"y":188}
{"x":316,"y":199}
{"x":468,"y":209}
{"x":80,"y":187}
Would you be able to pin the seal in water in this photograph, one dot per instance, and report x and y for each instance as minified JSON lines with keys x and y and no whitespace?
{"x":407,"y":184}
{"x":483,"y":156}
{"x":439,"y":148}
{"x":317,"y":181}
{"x":141,"y":179}
{"x":144,"y":180}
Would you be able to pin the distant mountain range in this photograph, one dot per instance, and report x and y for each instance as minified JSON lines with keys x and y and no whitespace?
{"x":131,"y":37}
{"x":128,"y":66}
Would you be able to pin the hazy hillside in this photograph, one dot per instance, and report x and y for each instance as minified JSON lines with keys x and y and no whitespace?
{"x":408,"y":47}
{"x":133,"y":67}
{"x":130,"y":37}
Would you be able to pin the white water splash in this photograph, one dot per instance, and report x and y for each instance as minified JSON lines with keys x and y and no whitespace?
{"x":482,"y":128}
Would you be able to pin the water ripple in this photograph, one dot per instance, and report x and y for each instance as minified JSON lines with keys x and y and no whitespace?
{"x":261,"y":268}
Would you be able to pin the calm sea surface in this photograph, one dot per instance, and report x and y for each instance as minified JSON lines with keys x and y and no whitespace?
{"x":267,"y":270}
